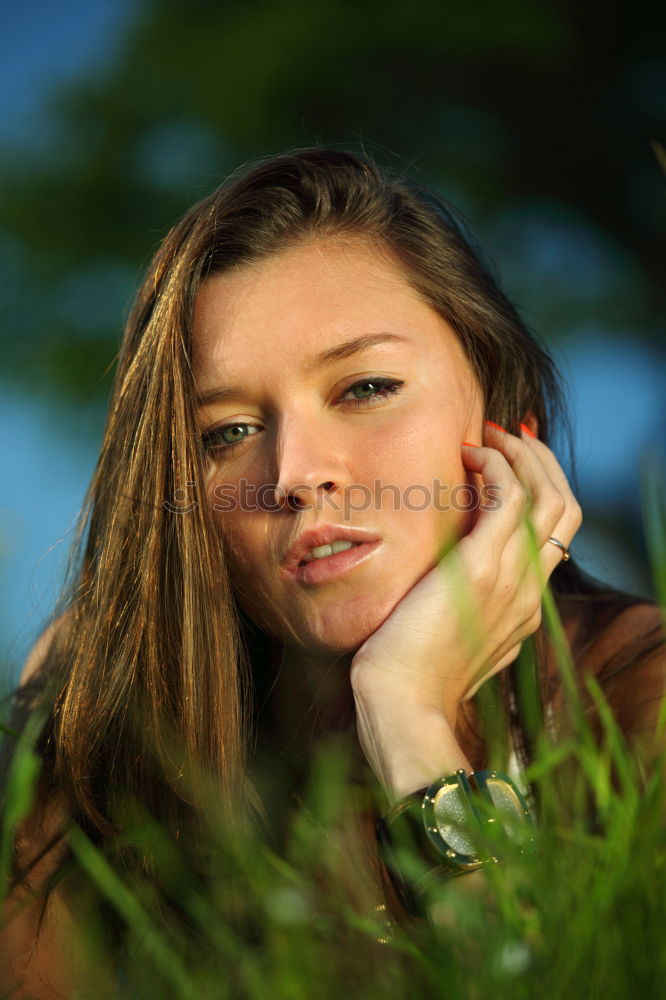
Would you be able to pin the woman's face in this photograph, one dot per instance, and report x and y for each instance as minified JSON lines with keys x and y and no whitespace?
{"x":336,"y":399}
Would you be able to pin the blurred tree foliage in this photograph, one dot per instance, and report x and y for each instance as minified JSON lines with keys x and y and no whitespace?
{"x":501,"y":103}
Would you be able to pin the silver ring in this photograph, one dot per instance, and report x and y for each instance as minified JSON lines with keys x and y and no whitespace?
{"x":566,"y":555}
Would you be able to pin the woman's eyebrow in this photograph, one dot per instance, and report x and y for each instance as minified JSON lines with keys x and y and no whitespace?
{"x":348,"y":348}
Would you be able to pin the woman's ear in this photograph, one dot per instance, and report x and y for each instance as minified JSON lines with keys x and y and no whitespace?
{"x":531,"y":424}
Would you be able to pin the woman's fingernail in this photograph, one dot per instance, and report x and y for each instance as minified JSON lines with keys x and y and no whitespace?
{"x":493,"y":424}
{"x":468,"y":444}
{"x":527,"y":430}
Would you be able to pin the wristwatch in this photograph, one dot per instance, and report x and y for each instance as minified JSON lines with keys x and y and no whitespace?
{"x":454,"y":826}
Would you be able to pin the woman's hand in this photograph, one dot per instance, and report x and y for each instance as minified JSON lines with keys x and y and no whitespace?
{"x":466,"y":619}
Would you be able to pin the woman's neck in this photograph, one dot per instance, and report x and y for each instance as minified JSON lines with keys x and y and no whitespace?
{"x":312,"y":696}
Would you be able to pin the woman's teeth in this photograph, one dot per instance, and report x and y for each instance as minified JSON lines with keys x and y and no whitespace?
{"x":328,"y":550}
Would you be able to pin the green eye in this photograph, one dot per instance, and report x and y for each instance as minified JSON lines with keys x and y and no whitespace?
{"x":234,"y":433}
{"x":364,"y":389}
{"x":223,"y":437}
{"x":376,"y":389}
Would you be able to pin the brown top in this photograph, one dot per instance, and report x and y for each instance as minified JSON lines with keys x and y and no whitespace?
{"x":634,"y":687}
{"x":627,"y":658}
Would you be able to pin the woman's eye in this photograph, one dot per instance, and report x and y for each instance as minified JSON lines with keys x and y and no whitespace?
{"x":362,"y":393}
{"x":227,"y":435}
{"x":371,"y":389}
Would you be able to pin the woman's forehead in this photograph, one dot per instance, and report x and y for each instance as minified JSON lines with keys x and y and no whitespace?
{"x":320,"y":282}
{"x":306,"y":303}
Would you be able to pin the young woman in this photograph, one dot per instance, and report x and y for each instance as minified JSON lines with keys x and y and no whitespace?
{"x":326,"y":460}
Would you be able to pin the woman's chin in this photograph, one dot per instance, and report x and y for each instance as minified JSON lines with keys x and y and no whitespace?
{"x":332,"y":627}
{"x":343,"y":629}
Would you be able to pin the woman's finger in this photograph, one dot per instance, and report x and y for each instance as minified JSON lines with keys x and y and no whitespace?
{"x":498,"y":519}
{"x":526,"y":557}
{"x":564,"y":528}
{"x":524,"y":491}
{"x":548,"y":502}
{"x":554,"y":511}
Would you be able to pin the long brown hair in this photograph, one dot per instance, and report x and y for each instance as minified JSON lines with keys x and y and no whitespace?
{"x":147,"y":673}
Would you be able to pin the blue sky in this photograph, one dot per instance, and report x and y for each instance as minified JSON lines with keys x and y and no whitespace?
{"x":45,"y":43}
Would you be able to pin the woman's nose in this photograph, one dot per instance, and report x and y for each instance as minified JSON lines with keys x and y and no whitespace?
{"x":310,"y":465}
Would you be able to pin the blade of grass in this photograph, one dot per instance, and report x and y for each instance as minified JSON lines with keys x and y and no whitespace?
{"x":19,"y":793}
{"x":130,"y":909}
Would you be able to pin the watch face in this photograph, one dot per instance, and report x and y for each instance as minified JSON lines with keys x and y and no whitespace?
{"x":504,"y":796}
{"x":452,"y":820}
{"x":514,"y":816}
{"x":460,"y":819}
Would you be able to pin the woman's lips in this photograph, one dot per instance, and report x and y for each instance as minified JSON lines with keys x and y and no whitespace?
{"x":331,"y":567}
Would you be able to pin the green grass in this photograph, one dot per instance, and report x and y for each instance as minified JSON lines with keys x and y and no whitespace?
{"x":582,"y":916}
